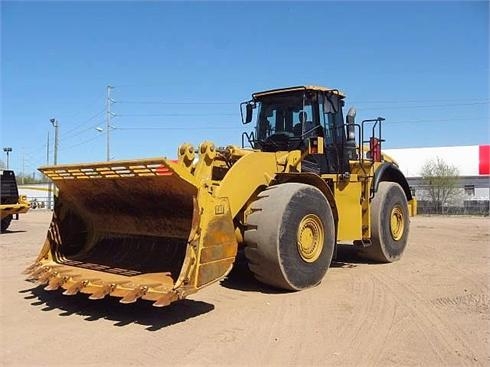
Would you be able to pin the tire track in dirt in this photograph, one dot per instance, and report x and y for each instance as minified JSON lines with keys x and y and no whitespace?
{"x":439,"y":333}
{"x":450,"y":239}
{"x":478,"y":302}
{"x":248,"y":327}
{"x":364,"y":319}
{"x":470,"y":276}
{"x":355,"y":313}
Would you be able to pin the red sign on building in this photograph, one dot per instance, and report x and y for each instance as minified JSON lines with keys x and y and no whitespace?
{"x":484,"y":161}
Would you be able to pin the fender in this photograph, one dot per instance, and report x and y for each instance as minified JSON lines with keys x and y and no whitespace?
{"x":390,"y":172}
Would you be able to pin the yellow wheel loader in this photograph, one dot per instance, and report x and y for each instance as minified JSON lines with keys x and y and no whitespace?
{"x":159,"y":229}
{"x":12,"y":204}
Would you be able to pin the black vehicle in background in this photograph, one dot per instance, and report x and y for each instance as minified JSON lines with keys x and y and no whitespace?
{"x":11,"y":203}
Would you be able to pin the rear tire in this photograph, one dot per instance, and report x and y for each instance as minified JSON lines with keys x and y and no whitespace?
{"x":291,"y":236}
{"x":389,"y":224}
{"x":6,"y":222}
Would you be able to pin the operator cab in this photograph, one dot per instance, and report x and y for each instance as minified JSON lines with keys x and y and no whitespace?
{"x":290,"y":118}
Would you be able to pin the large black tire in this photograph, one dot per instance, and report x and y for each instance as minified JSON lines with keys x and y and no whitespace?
{"x":6,"y":222}
{"x":290,"y":237}
{"x":389,"y":224}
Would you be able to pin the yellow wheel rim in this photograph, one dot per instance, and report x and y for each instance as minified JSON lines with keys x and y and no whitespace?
{"x":311,"y":236}
{"x":397,"y":223}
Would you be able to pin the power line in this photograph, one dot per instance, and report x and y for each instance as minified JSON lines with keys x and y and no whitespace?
{"x":83,"y":123}
{"x":174,"y":114}
{"x":178,"y":128}
{"x":470,"y":100}
{"x":81,"y":143}
{"x":36,"y":148}
{"x":90,"y":128}
{"x":434,"y":120}
{"x":140,"y":85}
{"x":68,"y":134}
{"x":475,"y":100}
{"x":426,"y":106}
{"x":179,"y":103}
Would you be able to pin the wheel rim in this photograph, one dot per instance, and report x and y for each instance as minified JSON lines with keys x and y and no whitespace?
{"x":397,"y":223}
{"x":310,"y":238}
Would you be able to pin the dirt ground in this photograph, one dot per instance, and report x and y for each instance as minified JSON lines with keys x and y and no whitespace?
{"x":429,"y":309}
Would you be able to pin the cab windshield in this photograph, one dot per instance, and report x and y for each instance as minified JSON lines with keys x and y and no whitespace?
{"x":291,"y":114}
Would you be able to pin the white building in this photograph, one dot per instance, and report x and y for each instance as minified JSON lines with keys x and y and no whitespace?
{"x":472,"y":162}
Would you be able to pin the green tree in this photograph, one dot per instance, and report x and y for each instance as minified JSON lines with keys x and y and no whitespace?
{"x":440,"y":180}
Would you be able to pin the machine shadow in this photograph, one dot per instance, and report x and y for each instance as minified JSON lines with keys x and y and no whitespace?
{"x":142,"y":312}
{"x":348,"y":257}
{"x":242,"y":279}
{"x":8,"y":231}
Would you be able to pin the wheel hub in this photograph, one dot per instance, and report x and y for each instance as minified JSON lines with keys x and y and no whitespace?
{"x":397,"y":223}
{"x":310,"y":238}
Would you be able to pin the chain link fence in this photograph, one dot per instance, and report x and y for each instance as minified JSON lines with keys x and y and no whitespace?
{"x":468,"y":207}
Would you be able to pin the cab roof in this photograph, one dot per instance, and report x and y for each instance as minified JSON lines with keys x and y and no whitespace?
{"x":298,"y":88}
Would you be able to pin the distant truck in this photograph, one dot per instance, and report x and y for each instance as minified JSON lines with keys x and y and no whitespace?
{"x":11,"y":203}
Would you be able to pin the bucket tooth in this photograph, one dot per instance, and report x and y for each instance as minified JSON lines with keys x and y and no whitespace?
{"x":163,"y":301}
{"x":76,"y":287}
{"x":35,"y":274}
{"x":56,"y":282}
{"x":138,"y":292}
{"x":51,"y":274}
{"x":44,"y":277}
{"x":132,"y":296}
{"x":105,"y":290}
{"x":102,"y":292}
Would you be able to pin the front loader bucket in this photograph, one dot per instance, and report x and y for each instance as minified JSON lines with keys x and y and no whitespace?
{"x":124,"y":229}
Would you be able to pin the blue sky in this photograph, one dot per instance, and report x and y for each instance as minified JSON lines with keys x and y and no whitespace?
{"x":180,"y":70}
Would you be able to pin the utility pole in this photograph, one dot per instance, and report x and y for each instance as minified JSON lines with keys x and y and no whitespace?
{"x":55,"y":123}
{"x":108,"y":125}
{"x":47,"y":151}
{"x":7,"y":150}
{"x":23,"y":165}
{"x":50,"y":184}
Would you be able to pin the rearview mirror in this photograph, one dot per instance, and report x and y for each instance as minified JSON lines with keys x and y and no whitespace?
{"x":247,"y":116}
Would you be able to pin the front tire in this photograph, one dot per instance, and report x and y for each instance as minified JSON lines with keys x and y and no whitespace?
{"x":291,"y":236}
{"x":389,"y":224}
